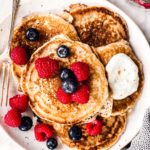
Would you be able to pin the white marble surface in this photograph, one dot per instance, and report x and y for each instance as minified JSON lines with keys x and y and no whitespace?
{"x":139,"y":15}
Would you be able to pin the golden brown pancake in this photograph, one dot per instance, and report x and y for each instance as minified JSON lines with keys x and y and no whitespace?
{"x":98,"y":26}
{"x":105,"y":53}
{"x":47,"y":25}
{"x":42,"y":92}
{"x":106,"y":110}
{"x":113,"y":128}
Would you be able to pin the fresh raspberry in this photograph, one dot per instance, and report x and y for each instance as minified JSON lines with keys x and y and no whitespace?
{"x":42,"y":132}
{"x":63,"y":97}
{"x":46,"y":67}
{"x":94,"y":128}
{"x":19,"y":102}
{"x":19,"y":56}
{"x":13,"y":118}
{"x":81,"y":95}
{"x":81,"y":70}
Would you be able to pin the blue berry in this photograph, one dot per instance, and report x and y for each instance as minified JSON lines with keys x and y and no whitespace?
{"x":52,"y":143}
{"x":67,"y":74}
{"x":26,"y":123}
{"x":63,"y":51}
{"x":32,"y":34}
{"x":75,"y":133}
{"x":69,"y":86}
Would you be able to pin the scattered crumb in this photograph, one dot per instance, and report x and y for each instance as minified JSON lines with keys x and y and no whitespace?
{"x":119,"y":72}
{"x":1,"y":30}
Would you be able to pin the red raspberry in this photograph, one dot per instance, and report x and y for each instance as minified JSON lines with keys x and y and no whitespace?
{"x":81,"y":70}
{"x":13,"y":118}
{"x":63,"y":97}
{"x":42,"y":132}
{"x":46,"y":67}
{"x":19,"y":56}
{"x":81,"y":95}
{"x":19,"y":102}
{"x":94,"y":128}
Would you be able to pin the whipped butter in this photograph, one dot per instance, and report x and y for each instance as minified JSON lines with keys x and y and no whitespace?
{"x":123,"y":76}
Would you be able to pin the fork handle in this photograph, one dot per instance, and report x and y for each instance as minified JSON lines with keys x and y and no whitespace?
{"x":13,"y":17}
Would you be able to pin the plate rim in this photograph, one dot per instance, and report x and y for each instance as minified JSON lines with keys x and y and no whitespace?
{"x":114,"y":7}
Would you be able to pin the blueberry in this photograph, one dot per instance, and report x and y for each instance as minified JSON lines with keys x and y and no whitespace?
{"x":32,"y":34}
{"x":63,"y":51}
{"x":75,"y":133}
{"x":69,"y":86}
{"x":26,"y":123}
{"x":52,"y":143}
{"x":67,"y":74}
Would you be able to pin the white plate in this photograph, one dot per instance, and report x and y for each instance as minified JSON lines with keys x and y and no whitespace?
{"x":137,"y":40}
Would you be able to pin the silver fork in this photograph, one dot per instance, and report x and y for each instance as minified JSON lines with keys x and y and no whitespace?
{"x":5,"y":61}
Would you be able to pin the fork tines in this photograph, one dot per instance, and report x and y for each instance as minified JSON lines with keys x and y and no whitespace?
{"x":5,"y":80}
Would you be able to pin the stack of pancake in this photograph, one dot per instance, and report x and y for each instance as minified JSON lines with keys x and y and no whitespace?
{"x":94,"y":35}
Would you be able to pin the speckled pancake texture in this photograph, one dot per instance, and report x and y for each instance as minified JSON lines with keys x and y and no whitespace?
{"x":105,"y":53}
{"x":48,"y":26}
{"x":112,"y":129}
{"x":42,"y":92}
{"x":97,"y":25}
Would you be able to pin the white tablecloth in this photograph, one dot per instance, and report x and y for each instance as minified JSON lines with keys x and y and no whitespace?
{"x":140,"y":16}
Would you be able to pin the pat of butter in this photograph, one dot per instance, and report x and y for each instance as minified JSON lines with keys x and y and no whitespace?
{"x":123,"y":76}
